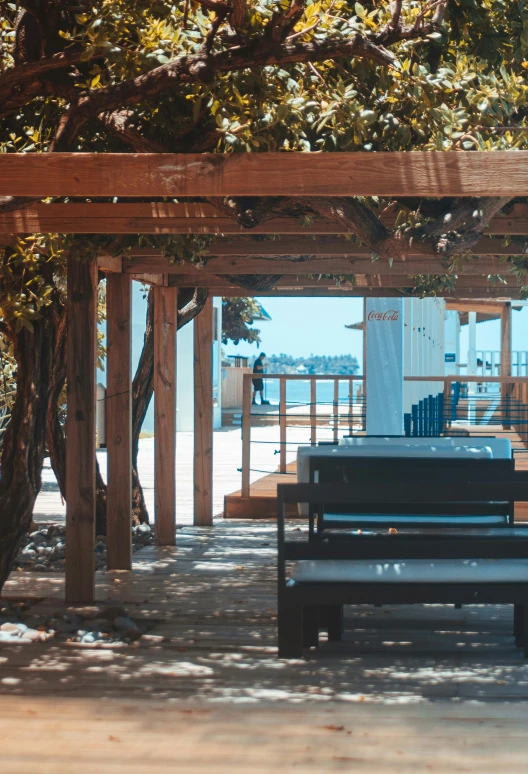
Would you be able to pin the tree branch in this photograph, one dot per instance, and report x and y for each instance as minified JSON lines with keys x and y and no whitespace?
{"x":253,"y":281}
{"x":23,"y":83}
{"x":394,"y":31}
{"x":196,"y":67}
{"x":238,"y":16}
{"x":118,"y":124}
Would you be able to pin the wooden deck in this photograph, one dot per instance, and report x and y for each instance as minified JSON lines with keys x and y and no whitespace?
{"x":412,"y":689}
{"x":262,"y":502}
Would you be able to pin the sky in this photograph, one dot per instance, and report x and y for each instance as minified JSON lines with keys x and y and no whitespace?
{"x":304,"y":326}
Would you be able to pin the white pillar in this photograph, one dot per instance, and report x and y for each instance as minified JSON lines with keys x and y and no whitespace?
{"x":472,"y":364}
{"x":408,"y":351}
{"x":384,"y":326}
{"x":452,"y":343}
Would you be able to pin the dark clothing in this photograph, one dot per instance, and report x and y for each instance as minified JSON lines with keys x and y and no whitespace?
{"x":258,"y":368}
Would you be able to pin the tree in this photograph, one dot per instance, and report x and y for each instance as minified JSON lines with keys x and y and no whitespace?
{"x":237,"y":315}
{"x":240,"y":76}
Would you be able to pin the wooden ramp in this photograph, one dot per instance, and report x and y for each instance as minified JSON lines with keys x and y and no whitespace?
{"x":262,"y":501}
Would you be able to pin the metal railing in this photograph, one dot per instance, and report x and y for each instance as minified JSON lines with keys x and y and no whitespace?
{"x":343,"y":408}
{"x":447,"y":406}
{"x":488,"y":363}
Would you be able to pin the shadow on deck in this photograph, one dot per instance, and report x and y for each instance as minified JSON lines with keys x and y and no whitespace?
{"x":403,"y":684}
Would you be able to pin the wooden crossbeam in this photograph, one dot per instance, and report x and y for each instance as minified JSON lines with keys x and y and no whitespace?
{"x":480,"y":293}
{"x":232,"y":247}
{"x":321,"y":265}
{"x":417,"y":173}
{"x":189,"y":218}
{"x":484,"y":307}
{"x":362,"y":280}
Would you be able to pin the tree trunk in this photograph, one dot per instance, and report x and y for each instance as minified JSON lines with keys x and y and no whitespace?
{"x":190,"y":302}
{"x":55,"y":435}
{"x":40,"y":358}
{"x":24,"y":444}
{"x":142,"y":389}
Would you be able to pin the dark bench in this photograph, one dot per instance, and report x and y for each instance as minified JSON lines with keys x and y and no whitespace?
{"x":381,"y":470}
{"x":415,"y":567}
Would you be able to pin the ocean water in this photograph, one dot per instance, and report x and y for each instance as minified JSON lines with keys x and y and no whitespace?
{"x":298,"y":391}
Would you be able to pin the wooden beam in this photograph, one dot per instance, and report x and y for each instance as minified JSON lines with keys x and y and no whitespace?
{"x":361,"y":280}
{"x":203,"y":416}
{"x":80,"y":431}
{"x":110,"y":263}
{"x":148,"y":259}
{"x":165,"y":326}
{"x":479,"y":293}
{"x":119,"y":421}
{"x":420,"y":173}
{"x":153,"y":279}
{"x":189,"y":218}
{"x":484,"y":306}
{"x":327,"y":265}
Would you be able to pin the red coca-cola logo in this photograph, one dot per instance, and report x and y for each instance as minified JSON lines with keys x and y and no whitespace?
{"x":391,"y":315}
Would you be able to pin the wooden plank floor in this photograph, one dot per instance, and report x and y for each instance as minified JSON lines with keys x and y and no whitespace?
{"x":411,"y":689}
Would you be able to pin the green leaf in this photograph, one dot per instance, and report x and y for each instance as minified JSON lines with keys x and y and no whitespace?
{"x":360,"y":11}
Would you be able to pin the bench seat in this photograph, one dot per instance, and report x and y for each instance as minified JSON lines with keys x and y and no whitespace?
{"x":411,"y":571}
{"x":349,"y":520}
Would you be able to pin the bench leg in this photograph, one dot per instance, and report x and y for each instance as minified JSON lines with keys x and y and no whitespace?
{"x":458,"y":605}
{"x":290,"y":631}
{"x":331,"y":619}
{"x":310,"y":626}
{"x":518,"y":625}
{"x":525,"y":621}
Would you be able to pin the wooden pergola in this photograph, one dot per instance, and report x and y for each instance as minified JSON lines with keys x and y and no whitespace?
{"x":318,"y":249}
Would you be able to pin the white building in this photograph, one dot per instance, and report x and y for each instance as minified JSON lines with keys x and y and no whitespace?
{"x":408,"y":341}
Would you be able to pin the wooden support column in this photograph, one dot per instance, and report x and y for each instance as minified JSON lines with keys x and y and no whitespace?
{"x":203,"y":416}
{"x":247,"y":388}
{"x":165,"y":326}
{"x":506,"y":359}
{"x":364,"y":387}
{"x":282,"y":425}
{"x":313,"y":412}
{"x":80,"y":431}
{"x":119,"y":422}
{"x":336,"y":410}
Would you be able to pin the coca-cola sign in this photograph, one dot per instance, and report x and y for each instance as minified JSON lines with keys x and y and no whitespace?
{"x":391,"y":315}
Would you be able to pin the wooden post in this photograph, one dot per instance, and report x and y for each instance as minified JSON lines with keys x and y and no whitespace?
{"x":350,"y":406}
{"x":165,"y":325}
{"x":282,"y":425}
{"x":119,"y":421}
{"x":247,"y":387}
{"x":313,"y":412}
{"x":446,"y":418}
{"x":365,"y":364}
{"x":203,"y":416}
{"x":505,"y":365}
{"x":80,"y":431}
{"x":336,"y":410}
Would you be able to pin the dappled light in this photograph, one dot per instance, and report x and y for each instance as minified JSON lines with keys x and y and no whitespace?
{"x":208,"y":609}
